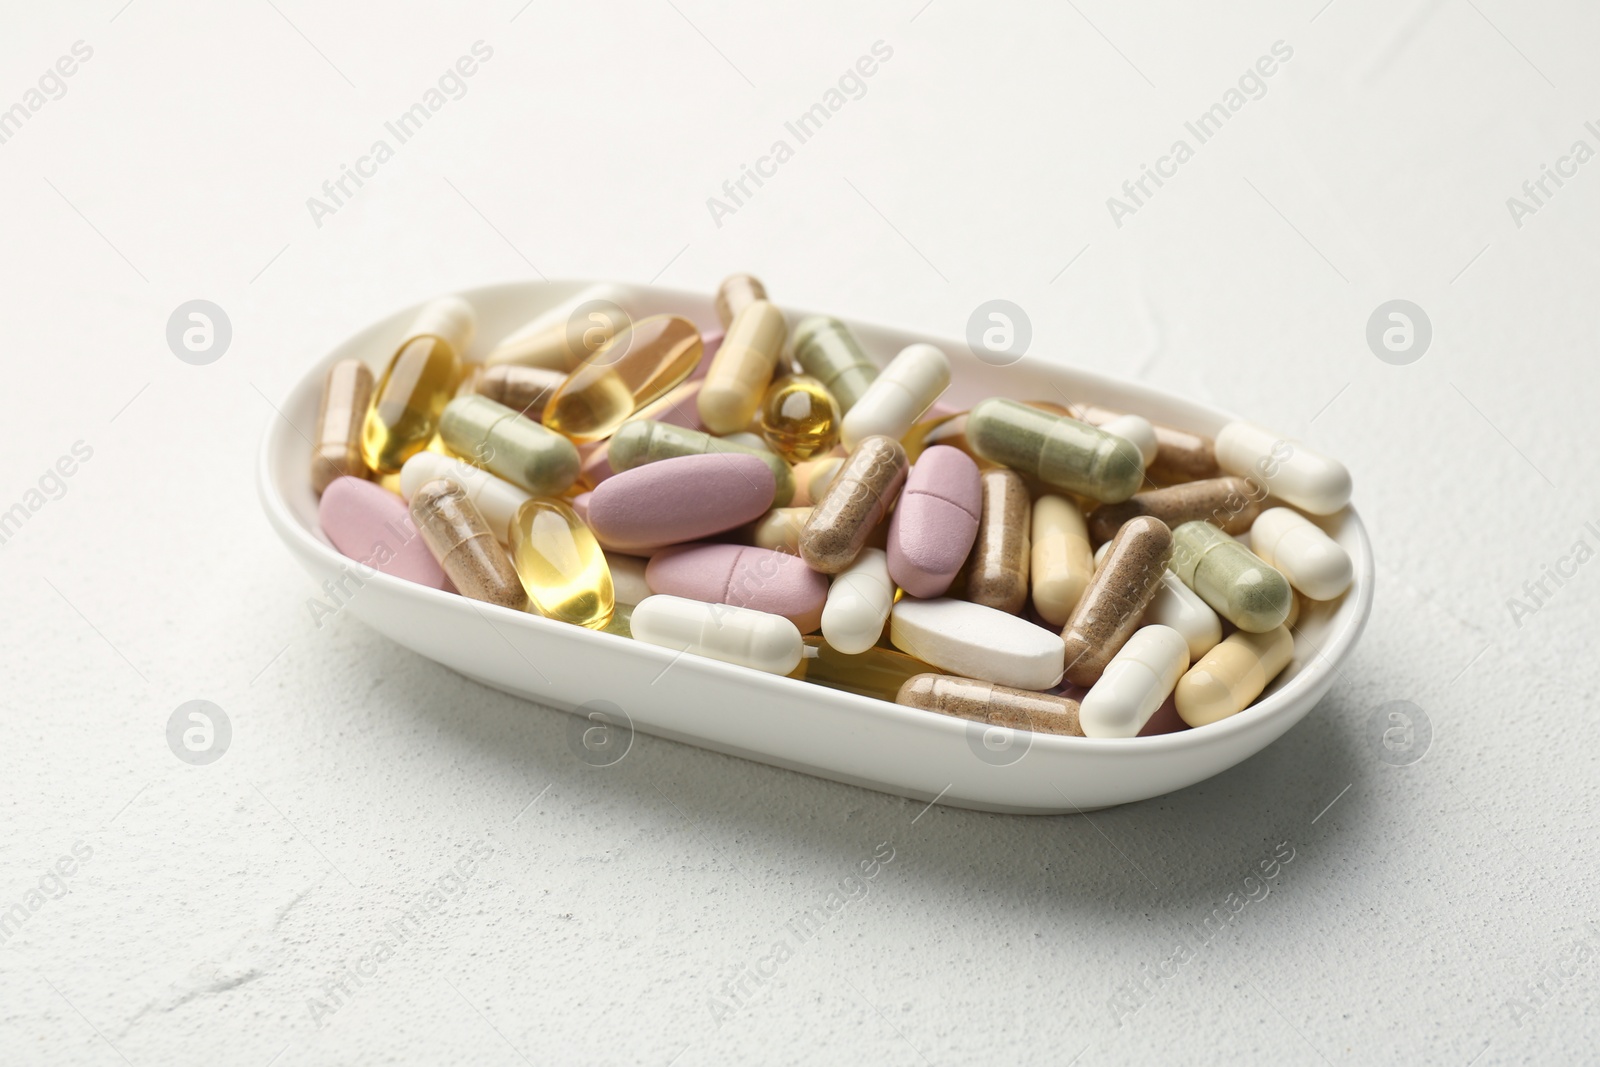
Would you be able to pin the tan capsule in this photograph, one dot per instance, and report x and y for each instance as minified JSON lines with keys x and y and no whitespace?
{"x":459,"y":537}
{"x":346,"y":393}
{"x":523,"y":389}
{"x":734,"y":293}
{"x":779,"y":530}
{"x":996,"y":705}
{"x":855,"y":503}
{"x":997,"y":573}
{"x":1121,"y":590}
{"x":1229,"y":503}
{"x":1230,"y":677}
{"x":1062,"y":564}
{"x":742,"y":368}
{"x":1181,"y":456}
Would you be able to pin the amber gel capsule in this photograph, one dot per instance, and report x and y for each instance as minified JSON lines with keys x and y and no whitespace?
{"x":877,"y":672}
{"x":857,"y":499}
{"x":734,"y":293}
{"x":742,"y":368}
{"x":827,"y":350}
{"x":1056,"y":449}
{"x":1237,"y":583}
{"x":799,"y":418}
{"x":460,"y":539}
{"x":997,"y":705}
{"x":416,"y":385}
{"x":638,"y":366}
{"x":561,"y":565}
{"x":997,"y":575}
{"x":1231,"y":504}
{"x":346,"y":393}
{"x":1122,"y":587}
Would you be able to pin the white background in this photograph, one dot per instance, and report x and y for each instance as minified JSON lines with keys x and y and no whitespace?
{"x":219,"y":902}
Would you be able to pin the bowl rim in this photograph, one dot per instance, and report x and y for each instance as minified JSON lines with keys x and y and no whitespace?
{"x":1281,"y":702}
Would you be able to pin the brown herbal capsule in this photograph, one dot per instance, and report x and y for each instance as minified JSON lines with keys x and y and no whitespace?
{"x":524,"y":389}
{"x":460,"y":539}
{"x":346,"y":395}
{"x":1121,"y":590}
{"x":996,"y":705}
{"x":734,"y":293}
{"x":1230,"y":503}
{"x":1181,"y":456}
{"x":857,"y":499}
{"x":997,"y":575}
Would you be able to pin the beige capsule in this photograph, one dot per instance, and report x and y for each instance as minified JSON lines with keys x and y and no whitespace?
{"x":523,"y":389}
{"x":346,"y":394}
{"x":1181,"y":456}
{"x":996,"y":705}
{"x":1115,"y":601}
{"x":857,"y":499}
{"x":997,"y":572}
{"x":1061,"y":564}
{"x":459,"y":537}
{"x":742,"y":368}
{"x":813,"y":477}
{"x":1229,"y":503}
{"x":734,"y":293}
{"x":1230,"y":677}
{"x":779,"y":530}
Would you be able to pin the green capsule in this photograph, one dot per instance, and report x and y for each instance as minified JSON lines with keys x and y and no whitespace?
{"x":1237,"y":584}
{"x":503,"y":441}
{"x":642,"y":441}
{"x":1054,"y":448}
{"x":828,"y":351}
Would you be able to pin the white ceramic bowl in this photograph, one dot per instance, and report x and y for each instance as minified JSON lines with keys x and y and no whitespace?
{"x":781,"y":721}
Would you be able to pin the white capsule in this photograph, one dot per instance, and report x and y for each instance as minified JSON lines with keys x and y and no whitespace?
{"x":627,"y":577}
{"x":1311,"y":560}
{"x":496,"y":498}
{"x":741,"y":636}
{"x":1177,"y":606}
{"x":859,"y":601}
{"x":559,"y":339}
{"x":1139,"y":677}
{"x":1293,"y":471}
{"x":899,"y":396}
{"x":975,"y":641}
{"x":449,"y":317}
{"x":1137,"y":429}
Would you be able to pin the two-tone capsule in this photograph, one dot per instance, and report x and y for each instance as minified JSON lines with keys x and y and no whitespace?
{"x":1111,"y":607}
{"x":827,"y":350}
{"x":460,"y":539}
{"x":898,"y":396}
{"x":856,"y":501}
{"x":336,"y":452}
{"x":742,"y":368}
{"x":503,"y":442}
{"x":1237,"y":583}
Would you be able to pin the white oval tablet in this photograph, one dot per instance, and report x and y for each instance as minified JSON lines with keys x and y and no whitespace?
{"x":497,"y":498}
{"x":898,"y":396}
{"x":742,"y":636}
{"x":859,"y":601}
{"x":975,"y":641}
{"x":1293,"y":471}
{"x":1139,"y":677}
{"x":1311,"y":560}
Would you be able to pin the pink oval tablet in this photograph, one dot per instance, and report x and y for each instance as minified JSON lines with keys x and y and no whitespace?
{"x":680,"y":499}
{"x":743,"y":576}
{"x":936,"y":521}
{"x":372,"y":525}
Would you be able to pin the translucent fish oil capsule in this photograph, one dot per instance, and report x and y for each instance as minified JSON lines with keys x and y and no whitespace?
{"x":416,"y":385}
{"x":799,"y":417}
{"x":638,"y":366}
{"x":561,"y":564}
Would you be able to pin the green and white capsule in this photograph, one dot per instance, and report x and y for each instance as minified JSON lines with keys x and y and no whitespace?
{"x":827,"y":350}
{"x":1237,"y":584}
{"x":641,"y":441}
{"x":1056,"y":449}
{"x":505,"y":442}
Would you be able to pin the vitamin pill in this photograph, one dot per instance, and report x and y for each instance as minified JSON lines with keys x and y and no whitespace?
{"x":740,"y":636}
{"x":638,"y":366}
{"x":1056,"y":449}
{"x":561,"y":565}
{"x":416,"y":385}
{"x":1060,"y":565}
{"x":899,"y":396}
{"x":564,"y":336}
{"x":744,"y":577}
{"x":998,"y":574}
{"x":496,"y":438}
{"x":496,"y":498}
{"x":856,"y":501}
{"x":525,"y":390}
{"x":753,"y":441}
{"x":799,"y":418}
{"x":1292,"y":472}
{"x":1177,"y":606}
{"x":1122,"y":587}
{"x":935,"y":522}
{"x":1230,"y":677}
{"x":628,"y":583}
{"x":876,"y":672}
{"x":997,"y":705}
{"x":459,"y":538}
{"x":827,"y":350}
{"x":812,"y":478}
{"x":336,"y":451}
{"x":677,"y":500}
{"x":642,"y":441}
{"x":973,"y":641}
{"x":1230,"y":504}
{"x":734,"y":294}
{"x":1311,"y":560}
{"x":858,"y":604}
{"x":1138,"y":430}
{"x":1237,"y":584}
{"x":1136,"y":681}
{"x":743,"y":368}
{"x":373,"y":526}
{"x":779,"y":530}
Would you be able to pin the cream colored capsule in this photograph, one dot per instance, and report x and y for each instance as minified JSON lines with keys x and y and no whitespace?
{"x":1294,"y":472}
{"x":1230,"y":677}
{"x":1135,"y":428}
{"x":1311,"y":560}
{"x":742,"y":368}
{"x":779,"y":530}
{"x":899,"y":396}
{"x":859,"y":601}
{"x":742,"y":636}
{"x":812,"y":478}
{"x":1178,"y":606}
{"x":565,"y":335}
{"x":1135,"y":682}
{"x":1061,"y":564}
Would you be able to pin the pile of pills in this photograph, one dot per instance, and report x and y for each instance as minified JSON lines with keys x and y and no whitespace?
{"x":777,"y":499}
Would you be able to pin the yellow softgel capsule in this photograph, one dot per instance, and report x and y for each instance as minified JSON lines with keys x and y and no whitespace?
{"x":638,"y":366}
{"x":418,"y":382}
{"x":799,"y":417}
{"x":561,"y":565}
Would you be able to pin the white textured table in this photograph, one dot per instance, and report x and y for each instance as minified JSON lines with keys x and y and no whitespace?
{"x":274,"y":906}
